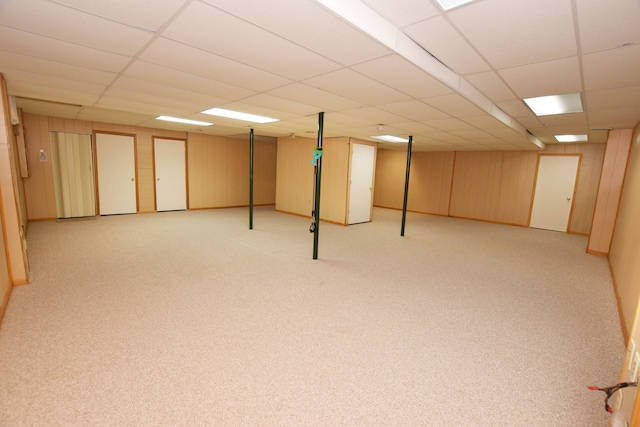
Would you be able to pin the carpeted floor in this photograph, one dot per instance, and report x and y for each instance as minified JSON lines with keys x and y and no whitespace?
{"x":190,"y":318}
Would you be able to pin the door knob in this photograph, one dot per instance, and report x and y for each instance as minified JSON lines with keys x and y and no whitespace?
{"x":568,"y":199}
{"x":132,"y":179}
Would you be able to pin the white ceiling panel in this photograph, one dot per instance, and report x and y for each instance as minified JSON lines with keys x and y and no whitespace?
{"x":572,"y":119}
{"x":140,"y":104}
{"x":375,"y":115}
{"x":515,"y":109}
{"x":41,"y":80}
{"x":620,"y":26}
{"x":275,"y":103}
{"x":454,"y":105}
{"x":185,"y":58}
{"x":55,"y":69}
{"x":356,"y":86}
{"x":626,"y":118}
{"x":29,"y":44}
{"x":510,"y":33}
{"x":415,"y":110}
{"x":43,"y":108}
{"x":627,"y":97}
{"x":609,"y":69}
{"x":403,"y":12}
{"x":248,"y":44}
{"x":491,"y":85}
{"x":113,"y":116}
{"x":87,"y":30}
{"x":181,"y":80}
{"x":449,"y":125}
{"x":311,"y":31}
{"x":555,"y":77}
{"x":136,"y":14}
{"x":319,"y":98}
{"x":50,"y":93}
{"x":441,"y":40}
{"x":415,"y":128}
{"x":414,"y":82}
{"x":484,"y":122}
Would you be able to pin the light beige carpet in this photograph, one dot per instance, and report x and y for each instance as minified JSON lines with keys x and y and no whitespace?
{"x":190,"y":318}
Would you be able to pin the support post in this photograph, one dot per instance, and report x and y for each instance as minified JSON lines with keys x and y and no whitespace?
{"x":406,"y":186}
{"x":251,"y":180}
{"x":316,"y":204}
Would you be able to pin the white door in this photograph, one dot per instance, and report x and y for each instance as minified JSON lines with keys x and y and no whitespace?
{"x":553,"y":197}
{"x":116,"y":174}
{"x":361,"y":184}
{"x":171,"y":175}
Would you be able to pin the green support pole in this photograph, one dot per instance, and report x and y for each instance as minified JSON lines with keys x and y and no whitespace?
{"x":406,"y":186}
{"x":316,"y":207}
{"x":251,"y":180}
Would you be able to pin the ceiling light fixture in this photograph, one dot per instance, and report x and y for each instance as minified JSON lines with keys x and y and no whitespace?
{"x":185,"y":121}
{"x":390,"y":138}
{"x":572,"y":138}
{"x":555,"y":104}
{"x":221,"y":112}
{"x":450,"y":4}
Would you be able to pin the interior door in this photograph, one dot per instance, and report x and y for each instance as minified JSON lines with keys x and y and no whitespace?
{"x":555,"y":187}
{"x":171,"y":174}
{"x":115,"y":156}
{"x":361,"y":183}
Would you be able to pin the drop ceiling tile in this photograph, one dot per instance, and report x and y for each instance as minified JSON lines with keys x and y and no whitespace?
{"x":627,"y":118}
{"x":598,"y":135}
{"x":484,"y":122}
{"x":375,"y":115}
{"x":558,"y":76}
{"x":415,"y":110}
{"x":136,"y":86}
{"x":249,"y":45}
{"x":403,"y":12}
{"x":507,"y":34}
{"x":414,"y":82}
{"x":185,"y":81}
{"x":492,"y":86}
{"x":276,"y":103}
{"x":441,"y":40}
{"x":343,"y":120}
{"x":133,"y":13}
{"x":573,"y":119}
{"x":529,"y":122}
{"x":140,"y":105}
{"x":474,"y":135}
{"x":41,"y":80}
{"x":449,"y":125}
{"x":356,"y":86}
{"x":24,"y":43}
{"x":73,"y":26}
{"x":454,"y":105}
{"x":515,"y":109}
{"x":605,"y":25}
{"x":415,"y":128}
{"x":310,"y":29}
{"x":609,"y":69}
{"x":188,"y":59}
{"x":260,"y":110}
{"x":44,"y":108}
{"x":322,"y":100}
{"x":612,"y":99}
{"x":54,"y":69}
{"x":112,"y":116}
{"x":47,"y":93}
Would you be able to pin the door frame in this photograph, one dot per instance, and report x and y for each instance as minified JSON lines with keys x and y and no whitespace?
{"x":95,"y":162}
{"x":575,"y":185}
{"x":186,"y":169}
{"x":373,"y":177}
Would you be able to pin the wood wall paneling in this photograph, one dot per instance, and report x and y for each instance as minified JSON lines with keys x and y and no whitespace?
{"x":237,"y":159}
{"x":207,"y":171}
{"x":264,"y":173}
{"x":389,"y":179}
{"x":295,"y":175}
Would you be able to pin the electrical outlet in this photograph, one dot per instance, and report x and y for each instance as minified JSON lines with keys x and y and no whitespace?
{"x":632,"y":352}
{"x":636,"y":363}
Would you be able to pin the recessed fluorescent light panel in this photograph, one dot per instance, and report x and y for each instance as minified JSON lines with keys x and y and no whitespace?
{"x":572,"y":138}
{"x":450,"y":4}
{"x":555,"y":104}
{"x":221,"y":112}
{"x":185,"y":121}
{"x":390,"y":138}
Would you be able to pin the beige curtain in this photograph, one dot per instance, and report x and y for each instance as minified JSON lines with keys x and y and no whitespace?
{"x":72,"y":159}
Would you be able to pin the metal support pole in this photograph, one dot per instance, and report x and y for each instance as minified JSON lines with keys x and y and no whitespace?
{"x":316,"y":207}
{"x":251,"y":180}
{"x":406,"y":186}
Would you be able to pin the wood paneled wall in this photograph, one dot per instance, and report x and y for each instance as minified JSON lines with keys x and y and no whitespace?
{"x":488,"y":186}
{"x":295,"y":177}
{"x":624,"y":254}
{"x":218,"y":167}
{"x":218,"y":170}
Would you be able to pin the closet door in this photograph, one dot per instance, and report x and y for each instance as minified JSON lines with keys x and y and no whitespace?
{"x":171,"y":174}
{"x":361,"y":183}
{"x":116,"y":174}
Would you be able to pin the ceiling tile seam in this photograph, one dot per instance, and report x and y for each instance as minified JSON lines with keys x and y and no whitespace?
{"x":135,"y":57}
{"x":353,"y":11}
{"x":583,"y":89}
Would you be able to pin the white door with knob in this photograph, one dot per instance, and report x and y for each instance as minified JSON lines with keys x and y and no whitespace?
{"x":171,"y":176}
{"x":361,"y":183}
{"x":554,"y":191}
{"x":115,"y":155}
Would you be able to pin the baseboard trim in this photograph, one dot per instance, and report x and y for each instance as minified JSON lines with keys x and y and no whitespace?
{"x":625,"y":332}
{"x":5,"y":302}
